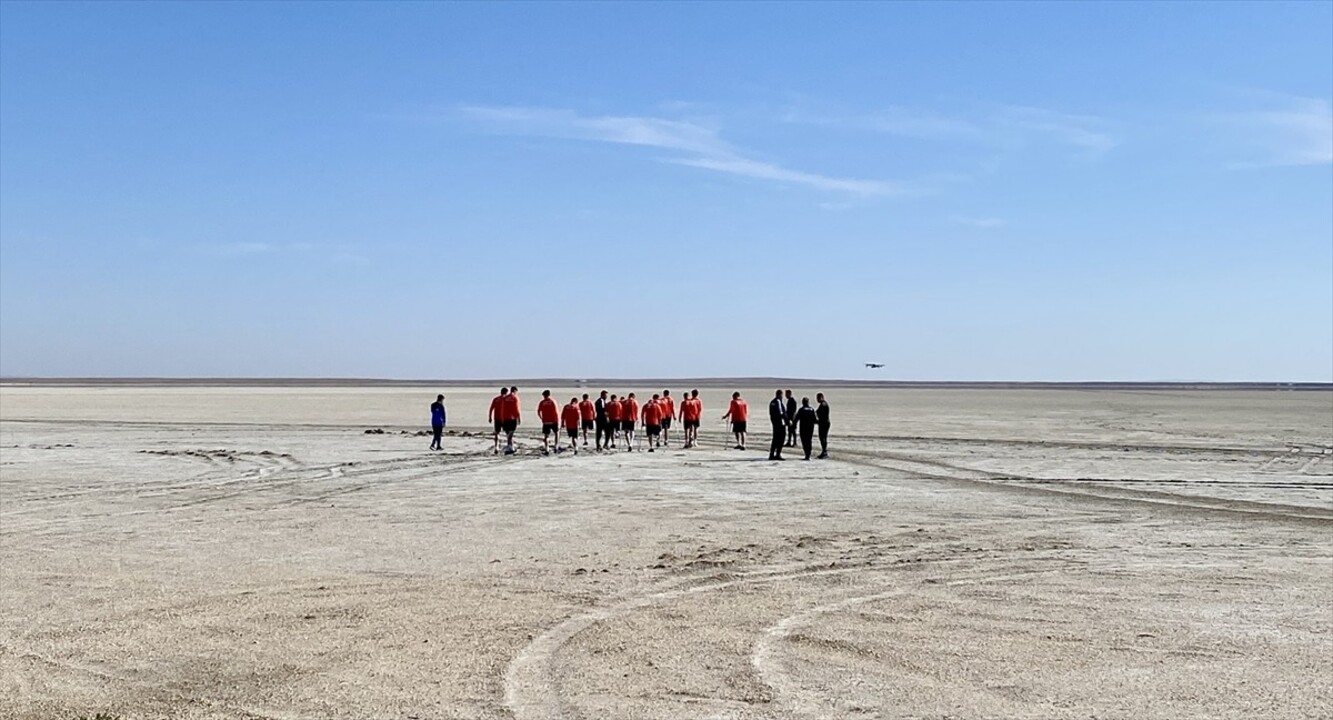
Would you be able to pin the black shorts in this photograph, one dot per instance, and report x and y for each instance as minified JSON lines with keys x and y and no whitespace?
{"x":691,"y":424}
{"x":738,"y":427}
{"x":573,"y":432}
{"x":627,"y":425}
{"x":509,"y":426}
{"x":666,"y":423}
{"x":587,"y":424}
{"x":653,"y":430}
{"x":548,"y":428}
{"x":499,"y":426}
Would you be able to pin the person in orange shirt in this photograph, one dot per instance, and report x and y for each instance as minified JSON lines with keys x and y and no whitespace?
{"x":549,"y":414}
{"x":587,"y":414}
{"x":510,"y":414}
{"x":691,"y":411}
{"x":494,"y":416}
{"x":629,"y":414}
{"x":613,"y":410}
{"x":668,"y":411}
{"x":739,"y":413}
{"x":571,"y":416}
{"x":652,"y":421}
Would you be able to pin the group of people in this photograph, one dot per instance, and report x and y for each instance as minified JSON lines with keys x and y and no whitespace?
{"x":612,"y":421}
{"x":789,"y":421}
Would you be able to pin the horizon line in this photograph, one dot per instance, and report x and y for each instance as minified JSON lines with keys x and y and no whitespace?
{"x":706,"y":381}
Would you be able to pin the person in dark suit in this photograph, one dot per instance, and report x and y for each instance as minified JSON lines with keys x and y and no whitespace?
{"x":791,"y":419}
{"x":821,"y":419}
{"x":777,"y":414}
{"x":437,"y":422}
{"x":806,"y":419}
{"x":604,"y":432}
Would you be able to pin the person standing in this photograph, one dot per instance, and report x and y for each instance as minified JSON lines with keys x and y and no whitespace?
{"x":691,"y":411}
{"x":652,"y":421}
{"x":494,"y":416}
{"x":613,"y":411}
{"x":791,"y":419}
{"x":587,"y":416}
{"x":571,"y":416}
{"x":821,"y":419}
{"x":806,"y":419}
{"x":667,"y":409}
{"x":437,"y":422}
{"x":739,"y":412}
{"x":549,"y":415}
{"x":603,"y":438}
{"x":777,"y":416}
{"x":510,"y":415}
{"x":629,"y":415}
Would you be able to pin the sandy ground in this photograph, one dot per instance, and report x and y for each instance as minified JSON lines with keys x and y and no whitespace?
{"x":225,"y":553}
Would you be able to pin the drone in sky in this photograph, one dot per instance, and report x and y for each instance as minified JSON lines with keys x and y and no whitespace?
{"x":874,"y":366}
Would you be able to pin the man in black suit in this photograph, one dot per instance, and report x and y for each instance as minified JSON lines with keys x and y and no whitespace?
{"x":806,"y":419}
{"x":821,"y":419}
{"x":791,"y":419}
{"x":777,"y":414}
{"x":604,"y":431}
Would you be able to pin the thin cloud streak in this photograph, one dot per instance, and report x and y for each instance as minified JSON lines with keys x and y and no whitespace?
{"x":984,"y":222}
{"x":1300,"y":134}
{"x":1006,"y":126}
{"x":702,"y":144}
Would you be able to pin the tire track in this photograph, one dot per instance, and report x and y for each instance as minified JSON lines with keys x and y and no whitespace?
{"x":1023,"y":483}
{"x":812,"y":705}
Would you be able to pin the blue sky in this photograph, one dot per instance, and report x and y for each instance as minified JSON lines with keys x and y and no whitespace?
{"x":966,"y":191}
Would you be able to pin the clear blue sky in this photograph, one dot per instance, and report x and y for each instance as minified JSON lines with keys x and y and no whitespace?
{"x":969,"y":191}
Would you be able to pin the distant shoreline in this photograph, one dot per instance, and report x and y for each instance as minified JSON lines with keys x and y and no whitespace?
{"x":750,"y":382}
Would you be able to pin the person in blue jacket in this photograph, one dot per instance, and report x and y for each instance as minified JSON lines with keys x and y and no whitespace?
{"x":437,"y":421}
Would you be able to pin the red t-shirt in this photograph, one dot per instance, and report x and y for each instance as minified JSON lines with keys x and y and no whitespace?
{"x":509,"y":408}
{"x":692,"y":409}
{"x":613,"y":410}
{"x":571,"y":416}
{"x":547,"y":411}
{"x":494,"y":412}
{"x":668,"y":407}
{"x":652,"y":413}
{"x":739,"y":411}
{"x":587,"y":411}
{"x":629,"y":410}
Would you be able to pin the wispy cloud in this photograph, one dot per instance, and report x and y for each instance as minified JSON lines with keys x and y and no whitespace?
{"x":980,"y":222}
{"x":243,"y":248}
{"x":700,"y":145}
{"x":1008,"y":126}
{"x":275,"y":251}
{"x":1085,"y":133}
{"x":1299,"y":132}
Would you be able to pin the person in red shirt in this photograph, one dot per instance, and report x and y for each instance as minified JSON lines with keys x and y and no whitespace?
{"x":691,"y":412}
{"x":493,"y":416}
{"x":613,"y":410}
{"x":652,"y":421}
{"x":629,"y":415}
{"x":510,"y":414}
{"x":549,"y":414}
{"x":571,"y":416}
{"x":739,"y":413}
{"x":587,"y":414}
{"x":668,"y":411}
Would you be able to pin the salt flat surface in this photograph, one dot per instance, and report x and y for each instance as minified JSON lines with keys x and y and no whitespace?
{"x":251,"y":552}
